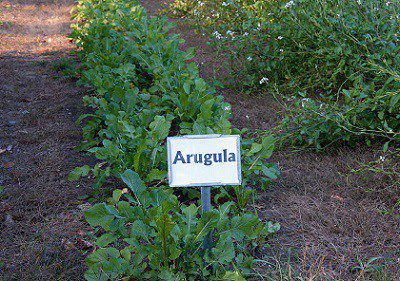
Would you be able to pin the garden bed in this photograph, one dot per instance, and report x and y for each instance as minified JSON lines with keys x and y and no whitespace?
{"x":333,"y":223}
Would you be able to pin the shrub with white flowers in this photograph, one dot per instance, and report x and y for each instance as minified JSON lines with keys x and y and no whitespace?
{"x":344,"y":54}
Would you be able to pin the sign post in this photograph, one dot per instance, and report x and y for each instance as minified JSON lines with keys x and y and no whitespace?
{"x":204,"y":161}
{"x":206,"y":207}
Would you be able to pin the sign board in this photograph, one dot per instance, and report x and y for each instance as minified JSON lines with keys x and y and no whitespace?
{"x":204,"y":160}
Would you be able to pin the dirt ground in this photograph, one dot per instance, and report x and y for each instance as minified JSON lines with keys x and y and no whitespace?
{"x":41,"y":222}
{"x":328,"y":221}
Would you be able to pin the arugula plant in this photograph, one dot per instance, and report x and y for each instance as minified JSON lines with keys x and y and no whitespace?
{"x":145,"y":89}
{"x":151,"y":235}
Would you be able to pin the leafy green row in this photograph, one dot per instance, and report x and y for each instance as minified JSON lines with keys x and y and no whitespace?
{"x":144,"y":89}
{"x":155,"y":236}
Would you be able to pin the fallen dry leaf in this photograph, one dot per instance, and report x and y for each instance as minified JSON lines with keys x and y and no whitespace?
{"x":83,"y":244}
{"x":8,"y":165}
{"x":68,"y":244}
{"x":337,"y":197}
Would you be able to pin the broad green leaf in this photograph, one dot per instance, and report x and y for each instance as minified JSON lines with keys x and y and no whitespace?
{"x":233,"y":276}
{"x":141,"y":230}
{"x":174,"y":252}
{"x":270,"y":173}
{"x":186,"y":86}
{"x":99,"y":215}
{"x":224,"y":209}
{"x":160,"y":128}
{"x":224,"y":251}
{"x":157,"y":175}
{"x":268,"y":144}
{"x":106,"y":239}
{"x":126,"y":253}
{"x":96,"y":257}
{"x":117,"y":194}
{"x":133,"y":181}
{"x":255,"y":147}
{"x":386,"y":146}
{"x":164,"y":225}
{"x":95,"y":274}
{"x":201,"y":86}
{"x":206,"y":109}
{"x":189,"y":217}
{"x":79,"y":172}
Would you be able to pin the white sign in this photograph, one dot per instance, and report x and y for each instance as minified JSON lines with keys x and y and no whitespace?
{"x":204,"y":160}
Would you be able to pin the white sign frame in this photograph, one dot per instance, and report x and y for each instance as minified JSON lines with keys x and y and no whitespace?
{"x":194,"y":184}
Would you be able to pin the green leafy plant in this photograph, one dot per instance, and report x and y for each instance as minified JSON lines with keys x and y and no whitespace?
{"x":144,"y":90}
{"x":150,"y":234}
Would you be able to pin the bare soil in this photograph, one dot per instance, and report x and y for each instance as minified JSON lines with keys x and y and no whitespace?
{"x":41,"y":221}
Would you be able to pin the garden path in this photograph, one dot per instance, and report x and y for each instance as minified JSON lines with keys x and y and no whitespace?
{"x":40,"y":221}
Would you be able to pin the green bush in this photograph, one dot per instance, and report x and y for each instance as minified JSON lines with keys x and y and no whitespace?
{"x":144,"y":90}
{"x":338,"y":59}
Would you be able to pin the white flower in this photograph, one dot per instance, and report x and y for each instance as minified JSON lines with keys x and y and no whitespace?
{"x":359,"y":2}
{"x":264,"y":80}
{"x":249,"y":58}
{"x":289,"y":4}
{"x":281,"y":50}
{"x":201,"y":3}
{"x":229,"y":33}
{"x":388,"y":3}
{"x":217,"y":35}
{"x":224,"y":4}
{"x":245,"y":34}
{"x":304,"y":101}
{"x":247,"y":116}
{"x":227,"y":108}
{"x":195,"y":12}
{"x":280,"y":37}
{"x":382,"y":158}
